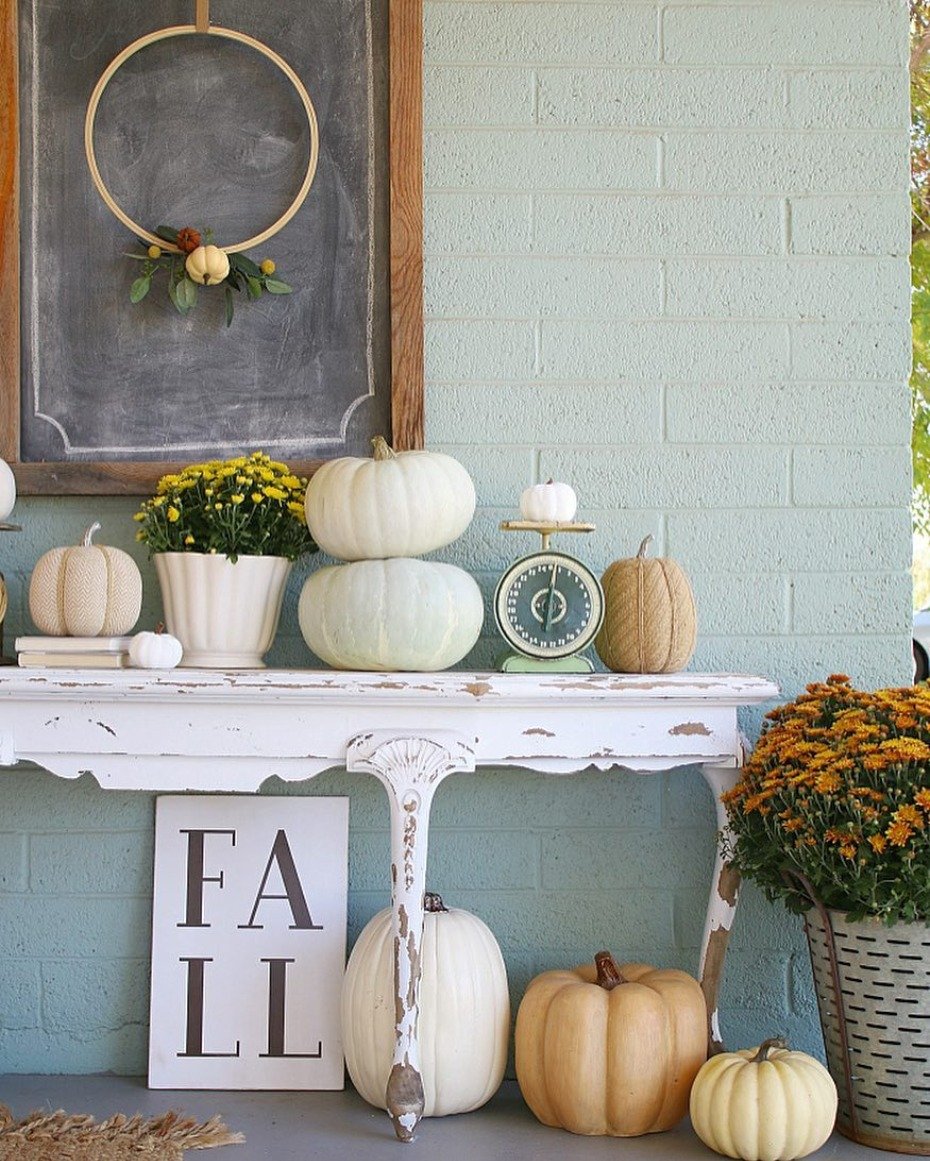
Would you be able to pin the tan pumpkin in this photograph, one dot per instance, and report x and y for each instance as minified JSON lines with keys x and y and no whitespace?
{"x":608,"y":1050}
{"x":89,"y":590}
{"x":764,"y":1104}
{"x":207,"y":265}
{"x":650,"y":624}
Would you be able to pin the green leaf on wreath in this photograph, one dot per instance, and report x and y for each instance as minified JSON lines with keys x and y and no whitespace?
{"x":230,"y":306}
{"x":274,"y":286}
{"x":246,"y":265}
{"x":169,"y":233}
{"x":140,"y":289}
{"x":187,"y":294}
{"x":254,"y":288}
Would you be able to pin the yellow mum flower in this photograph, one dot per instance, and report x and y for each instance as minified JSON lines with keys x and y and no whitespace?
{"x":274,"y":493}
{"x":173,"y":514}
{"x":139,"y":516}
{"x":188,"y":539}
{"x":237,"y":498}
{"x":257,"y":497}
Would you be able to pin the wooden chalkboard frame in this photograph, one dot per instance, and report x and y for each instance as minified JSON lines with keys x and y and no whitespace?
{"x":125,"y":477}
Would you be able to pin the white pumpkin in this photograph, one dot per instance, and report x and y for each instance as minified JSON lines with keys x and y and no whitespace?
{"x":394,"y":504}
{"x":464,"y":1023}
{"x":549,"y":503}
{"x":398,"y":614}
{"x":765,"y":1104}
{"x":86,"y":591}
{"x":7,"y":489}
{"x":156,"y":650}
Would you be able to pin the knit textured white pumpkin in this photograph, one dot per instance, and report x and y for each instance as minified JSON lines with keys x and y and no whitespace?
{"x":464,"y":1022}
{"x":86,"y":591}
{"x":399,"y":614}
{"x":395,"y":504}
{"x":7,"y":489}
{"x":549,"y":503}
{"x":765,"y":1104}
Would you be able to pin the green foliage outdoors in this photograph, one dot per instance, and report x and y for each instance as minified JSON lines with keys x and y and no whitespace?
{"x":920,"y":259}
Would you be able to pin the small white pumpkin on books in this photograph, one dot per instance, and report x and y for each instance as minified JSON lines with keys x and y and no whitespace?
{"x":155,"y":650}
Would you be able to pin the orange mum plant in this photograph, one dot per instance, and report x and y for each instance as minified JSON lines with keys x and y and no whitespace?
{"x":838,"y":790}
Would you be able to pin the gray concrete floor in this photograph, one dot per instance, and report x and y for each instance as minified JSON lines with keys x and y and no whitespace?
{"x":339,"y":1126}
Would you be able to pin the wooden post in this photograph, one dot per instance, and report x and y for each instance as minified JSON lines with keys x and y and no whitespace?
{"x":202,"y":19}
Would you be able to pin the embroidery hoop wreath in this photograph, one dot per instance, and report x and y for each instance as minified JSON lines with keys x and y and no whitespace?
{"x":202,"y":27}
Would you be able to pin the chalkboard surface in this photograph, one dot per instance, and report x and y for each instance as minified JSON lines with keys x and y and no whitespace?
{"x":204,"y":132}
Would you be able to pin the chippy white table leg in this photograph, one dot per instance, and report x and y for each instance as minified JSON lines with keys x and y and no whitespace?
{"x":410,"y":769}
{"x":721,"y":907}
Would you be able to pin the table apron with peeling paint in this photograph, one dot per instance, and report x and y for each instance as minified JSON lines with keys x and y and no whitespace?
{"x":195,"y":730}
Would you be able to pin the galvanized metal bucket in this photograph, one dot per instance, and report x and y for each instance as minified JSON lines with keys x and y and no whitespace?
{"x":873,"y":992}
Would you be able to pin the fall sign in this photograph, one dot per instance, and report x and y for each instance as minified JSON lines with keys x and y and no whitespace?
{"x":248,"y":942}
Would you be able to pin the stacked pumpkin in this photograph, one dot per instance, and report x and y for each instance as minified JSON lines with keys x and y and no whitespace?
{"x":386,"y":609}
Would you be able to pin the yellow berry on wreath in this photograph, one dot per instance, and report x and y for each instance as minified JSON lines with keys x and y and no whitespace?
{"x":268,"y":266}
{"x":154,"y":251}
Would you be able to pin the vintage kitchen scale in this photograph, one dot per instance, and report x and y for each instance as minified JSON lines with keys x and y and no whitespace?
{"x":548,"y":605}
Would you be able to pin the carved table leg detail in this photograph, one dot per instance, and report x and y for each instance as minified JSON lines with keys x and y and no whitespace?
{"x":721,"y":906}
{"x":410,"y":769}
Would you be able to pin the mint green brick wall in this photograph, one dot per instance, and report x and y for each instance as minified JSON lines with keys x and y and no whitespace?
{"x":666,"y":259}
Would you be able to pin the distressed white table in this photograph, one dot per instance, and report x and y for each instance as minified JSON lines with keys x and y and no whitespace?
{"x":191,"y":730}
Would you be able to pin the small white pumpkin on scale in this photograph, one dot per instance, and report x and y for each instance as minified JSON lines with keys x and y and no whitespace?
{"x":549,"y":503}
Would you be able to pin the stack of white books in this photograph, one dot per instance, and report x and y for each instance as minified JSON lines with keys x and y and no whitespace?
{"x":73,"y":652}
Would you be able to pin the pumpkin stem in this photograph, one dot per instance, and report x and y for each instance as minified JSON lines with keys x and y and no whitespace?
{"x":382,"y":449}
{"x":160,"y":627}
{"x":89,"y":533}
{"x":644,"y":547}
{"x":432,"y":903}
{"x":766,"y":1047}
{"x":550,"y":481}
{"x":608,"y":974}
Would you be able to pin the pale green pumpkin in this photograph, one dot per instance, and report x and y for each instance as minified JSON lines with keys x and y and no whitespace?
{"x":398,"y":614}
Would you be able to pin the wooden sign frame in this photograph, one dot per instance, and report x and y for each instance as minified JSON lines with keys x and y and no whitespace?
{"x":132,"y":477}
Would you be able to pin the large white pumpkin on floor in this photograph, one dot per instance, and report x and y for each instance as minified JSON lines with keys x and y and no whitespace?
{"x":393,"y":504}
{"x":416,"y":616}
{"x":464,"y":1023}
{"x":88,"y":590}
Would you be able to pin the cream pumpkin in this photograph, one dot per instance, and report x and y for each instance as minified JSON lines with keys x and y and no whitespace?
{"x":608,"y":1050}
{"x":650,"y":625}
{"x":464,"y":1022}
{"x":90,"y":590}
{"x":207,"y":265}
{"x":394,"y":504}
{"x":765,"y":1104}
{"x":399,"y":614}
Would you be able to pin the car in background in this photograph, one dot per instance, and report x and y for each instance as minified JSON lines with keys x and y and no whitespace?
{"x":921,"y":644}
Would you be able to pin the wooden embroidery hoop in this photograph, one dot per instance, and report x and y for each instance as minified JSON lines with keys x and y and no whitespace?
{"x":201,"y":25}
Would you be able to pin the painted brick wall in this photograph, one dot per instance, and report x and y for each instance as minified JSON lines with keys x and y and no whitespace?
{"x":667,"y":261}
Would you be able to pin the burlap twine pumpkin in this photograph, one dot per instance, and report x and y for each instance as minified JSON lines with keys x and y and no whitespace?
{"x":649,"y":619}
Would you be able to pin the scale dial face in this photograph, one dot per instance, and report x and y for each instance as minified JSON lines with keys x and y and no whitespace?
{"x":548,"y":605}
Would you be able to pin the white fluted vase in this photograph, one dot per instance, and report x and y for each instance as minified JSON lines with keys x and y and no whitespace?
{"x":225,"y":615}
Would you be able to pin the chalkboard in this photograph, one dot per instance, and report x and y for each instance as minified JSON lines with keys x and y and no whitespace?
{"x":202,"y":131}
